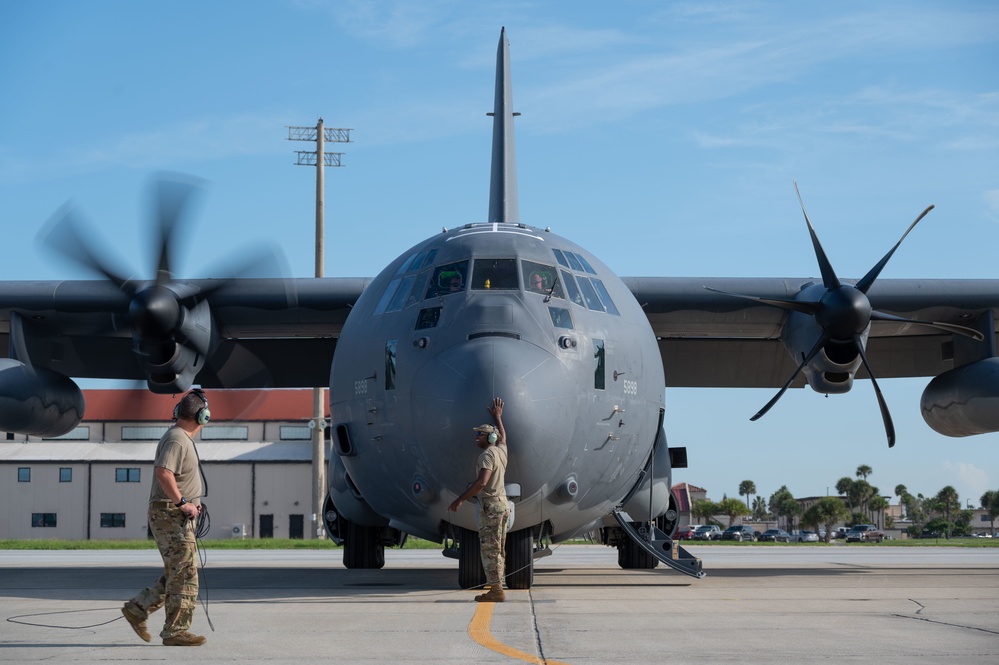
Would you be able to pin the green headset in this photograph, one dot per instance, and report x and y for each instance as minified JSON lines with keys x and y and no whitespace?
{"x":493,"y":437}
{"x":203,"y":415}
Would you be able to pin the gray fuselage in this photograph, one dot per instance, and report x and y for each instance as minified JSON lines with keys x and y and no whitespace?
{"x":493,"y":310}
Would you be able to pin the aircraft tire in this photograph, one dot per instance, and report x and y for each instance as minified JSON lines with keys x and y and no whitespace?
{"x":362,"y":547}
{"x":632,"y":557}
{"x":520,"y":559}
{"x":470,"y":572}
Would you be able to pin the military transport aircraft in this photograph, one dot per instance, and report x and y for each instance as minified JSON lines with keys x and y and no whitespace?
{"x":498,"y":308}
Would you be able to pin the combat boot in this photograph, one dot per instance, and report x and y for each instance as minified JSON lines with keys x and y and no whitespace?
{"x":134,"y":616}
{"x":184,"y":639}
{"x":494,"y":595}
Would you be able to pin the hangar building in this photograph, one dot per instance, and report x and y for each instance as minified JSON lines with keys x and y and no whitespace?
{"x":93,"y":482}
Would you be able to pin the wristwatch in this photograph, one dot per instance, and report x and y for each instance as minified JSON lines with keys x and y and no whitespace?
{"x":181,"y":502}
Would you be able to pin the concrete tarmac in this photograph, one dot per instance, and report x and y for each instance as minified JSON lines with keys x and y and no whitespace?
{"x":788,"y":604}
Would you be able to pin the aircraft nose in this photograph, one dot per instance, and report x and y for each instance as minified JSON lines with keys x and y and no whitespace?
{"x":451,"y":395}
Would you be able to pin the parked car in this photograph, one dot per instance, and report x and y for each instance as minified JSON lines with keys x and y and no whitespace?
{"x":864,"y":533}
{"x":739,"y":532}
{"x":775,"y":536}
{"x":685,"y":532}
{"x":707,"y":532}
{"x":804,"y":536}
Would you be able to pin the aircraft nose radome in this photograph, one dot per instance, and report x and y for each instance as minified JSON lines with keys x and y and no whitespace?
{"x":451,"y":395}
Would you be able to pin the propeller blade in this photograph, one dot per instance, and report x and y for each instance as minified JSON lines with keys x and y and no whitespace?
{"x":793,"y":305}
{"x":69,"y":233}
{"x":885,"y":415}
{"x":829,"y":278}
{"x":865,"y":283}
{"x":804,"y":361}
{"x":172,"y":195}
{"x":948,"y":327}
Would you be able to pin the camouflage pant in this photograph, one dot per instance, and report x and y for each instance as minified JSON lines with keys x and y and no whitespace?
{"x":177,"y":587}
{"x":494,"y":513}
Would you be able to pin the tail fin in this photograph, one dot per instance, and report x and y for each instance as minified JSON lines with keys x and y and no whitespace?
{"x":503,"y":205}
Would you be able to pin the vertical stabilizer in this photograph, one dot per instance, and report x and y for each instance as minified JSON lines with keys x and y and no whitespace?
{"x":503,"y":206}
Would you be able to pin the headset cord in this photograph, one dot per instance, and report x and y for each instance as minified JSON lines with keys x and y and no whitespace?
{"x":202,"y":525}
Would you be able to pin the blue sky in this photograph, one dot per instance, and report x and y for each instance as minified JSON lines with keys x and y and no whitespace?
{"x":664,"y":136}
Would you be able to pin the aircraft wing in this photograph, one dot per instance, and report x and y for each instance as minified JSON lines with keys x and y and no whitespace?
{"x":275,"y":333}
{"x":711,"y":339}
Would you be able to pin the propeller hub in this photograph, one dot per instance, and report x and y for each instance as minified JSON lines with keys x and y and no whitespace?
{"x":154,"y":312}
{"x":845,"y":312}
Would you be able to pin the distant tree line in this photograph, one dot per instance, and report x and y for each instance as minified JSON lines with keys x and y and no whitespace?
{"x":859,"y":502}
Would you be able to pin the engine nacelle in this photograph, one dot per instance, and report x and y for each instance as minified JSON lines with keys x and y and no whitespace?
{"x":171,"y":364}
{"x":832,"y":370}
{"x":965,"y":400}
{"x":37,"y":401}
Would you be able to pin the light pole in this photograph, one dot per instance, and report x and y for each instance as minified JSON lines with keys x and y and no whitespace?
{"x":320,"y":158}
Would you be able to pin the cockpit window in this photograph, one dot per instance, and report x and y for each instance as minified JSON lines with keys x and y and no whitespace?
{"x":539,"y":278}
{"x":560,"y":257}
{"x":449,"y":278}
{"x":586,"y":264}
{"x":417,"y":261}
{"x":574,"y":262}
{"x":494,"y":274}
{"x":590,"y":295}
{"x":570,"y":286}
{"x":605,"y":296}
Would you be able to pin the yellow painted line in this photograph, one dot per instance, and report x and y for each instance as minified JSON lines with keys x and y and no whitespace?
{"x":478,"y":630}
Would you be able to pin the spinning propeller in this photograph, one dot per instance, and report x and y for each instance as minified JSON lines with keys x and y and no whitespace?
{"x":844,"y":313}
{"x":170,"y":321}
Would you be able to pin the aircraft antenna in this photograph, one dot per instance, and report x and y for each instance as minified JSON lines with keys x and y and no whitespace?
{"x":320,"y":159}
{"x":503,"y":204}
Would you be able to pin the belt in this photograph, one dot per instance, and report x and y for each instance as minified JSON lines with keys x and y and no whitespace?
{"x":493,"y":498}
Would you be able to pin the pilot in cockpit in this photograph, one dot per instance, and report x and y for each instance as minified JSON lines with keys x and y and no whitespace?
{"x":450,"y":281}
{"x":536,"y":283}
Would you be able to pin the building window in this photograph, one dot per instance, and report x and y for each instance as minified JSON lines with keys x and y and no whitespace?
{"x":81,"y":433}
{"x":24,"y":474}
{"x":65,"y":475}
{"x":225,"y":433}
{"x":112,"y":520}
{"x":296,"y":432}
{"x":126,"y":475}
{"x":139,"y":433}
{"x":43,"y":520}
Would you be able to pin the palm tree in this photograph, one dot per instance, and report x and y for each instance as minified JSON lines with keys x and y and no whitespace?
{"x":826,"y":511}
{"x":877,"y":505}
{"x":948,"y":502}
{"x":704,"y":510}
{"x":746,"y":488}
{"x":901,"y":491}
{"x":759,"y":509}
{"x":990,"y":502}
{"x":783,"y":504}
{"x":863,"y":471}
{"x":844,"y":487}
{"x":732,"y":508}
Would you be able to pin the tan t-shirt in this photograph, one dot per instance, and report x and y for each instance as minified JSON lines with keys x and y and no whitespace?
{"x":176,"y":452}
{"x":493,"y":458}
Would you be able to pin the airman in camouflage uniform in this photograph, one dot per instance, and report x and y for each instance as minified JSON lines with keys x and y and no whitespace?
{"x":171,"y":521}
{"x":494,"y":509}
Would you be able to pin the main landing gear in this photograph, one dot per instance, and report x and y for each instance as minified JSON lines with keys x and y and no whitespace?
{"x":519,"y":559}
